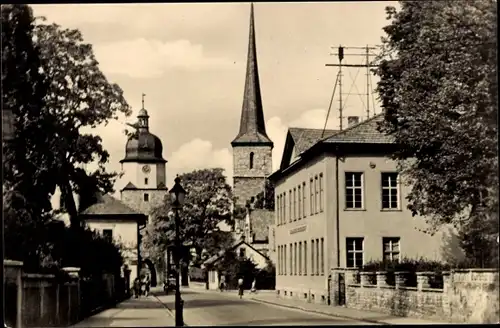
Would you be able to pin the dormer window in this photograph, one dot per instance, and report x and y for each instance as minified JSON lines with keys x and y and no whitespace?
{"x":251,"y":160}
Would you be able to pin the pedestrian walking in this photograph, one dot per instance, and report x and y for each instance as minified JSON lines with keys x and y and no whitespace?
{"x":254,"y":289}
{"x":147,"y":284}
{"x":222,"y":284}
{"x":240,"y":287}
{"x":137,"y":287}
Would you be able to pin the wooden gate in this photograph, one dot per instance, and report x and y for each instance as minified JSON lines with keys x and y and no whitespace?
{"x":341,"y":291}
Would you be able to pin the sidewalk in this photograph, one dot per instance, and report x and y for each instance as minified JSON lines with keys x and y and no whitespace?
{"x":340,"y":312}
{"x":142,"y":312}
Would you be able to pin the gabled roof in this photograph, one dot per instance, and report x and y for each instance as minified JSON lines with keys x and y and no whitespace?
{"x":108,"y":205}
{"x":129,"y":186}
{"x":260,"y":220}
{"x":363,"y":132}
{"x":217,"y":257}
{"x":306,"y":138}
{"x":302,"y":139}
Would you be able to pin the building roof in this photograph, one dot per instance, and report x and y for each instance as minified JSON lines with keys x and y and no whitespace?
{"x":306,"y":138}
{"x":143,"y":146}
{"x":217,"y":257}
{"x":252,"y":124}
{"x":260,"y":220}
{"x":363,"y":132}
{"x":108,"y":205}
{"x":129,"y":186}
{"x":301,"y":140}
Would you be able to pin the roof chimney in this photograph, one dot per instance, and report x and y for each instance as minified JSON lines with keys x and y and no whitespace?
{"x":352,"y":120}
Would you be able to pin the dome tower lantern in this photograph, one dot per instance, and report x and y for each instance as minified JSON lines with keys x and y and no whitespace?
{"x":143,"y":118}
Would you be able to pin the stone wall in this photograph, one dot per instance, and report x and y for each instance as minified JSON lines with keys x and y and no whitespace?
{"x":245,"y":188}
{"x":466,"y":296}
{"x":135,"y":199}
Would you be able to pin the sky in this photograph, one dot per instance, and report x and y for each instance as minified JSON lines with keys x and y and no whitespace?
{"x":190,"y":61}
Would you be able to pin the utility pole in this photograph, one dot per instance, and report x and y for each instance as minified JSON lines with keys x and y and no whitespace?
{"x":368,"y":82}
{"x":341,"y":53}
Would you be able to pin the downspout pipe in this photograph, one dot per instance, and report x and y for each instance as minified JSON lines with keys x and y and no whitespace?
{"x":337,"y":206}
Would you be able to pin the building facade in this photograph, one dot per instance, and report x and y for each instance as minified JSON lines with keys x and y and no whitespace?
{"x":340,"y":202}
{"x":120,"y":224}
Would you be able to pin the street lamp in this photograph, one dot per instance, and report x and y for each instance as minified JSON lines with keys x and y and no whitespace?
{"x":177,"y":194}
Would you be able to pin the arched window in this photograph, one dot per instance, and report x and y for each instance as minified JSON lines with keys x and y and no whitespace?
{"x":251,"y":160}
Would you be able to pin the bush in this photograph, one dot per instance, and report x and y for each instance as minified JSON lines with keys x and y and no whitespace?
{"x":266,"y":278}
{"x":410,"y":265}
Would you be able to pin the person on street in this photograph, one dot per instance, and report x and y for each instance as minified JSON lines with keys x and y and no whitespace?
{"x":222,"y":284}
{"x":147,"y":283}
{"x":137,"y":288}
{"x":240,"y":287}
{"x":253,"y":290}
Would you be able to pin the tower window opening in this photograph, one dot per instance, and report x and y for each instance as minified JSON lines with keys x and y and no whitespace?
{"x":146,"y":197}
{"x":251,"y":160}
{"x":145,"y":181}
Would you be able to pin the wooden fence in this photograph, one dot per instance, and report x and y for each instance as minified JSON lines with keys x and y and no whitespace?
{"x":44,"y":300}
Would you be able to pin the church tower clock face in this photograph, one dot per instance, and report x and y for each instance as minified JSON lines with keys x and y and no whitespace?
{"x":146,"y":169}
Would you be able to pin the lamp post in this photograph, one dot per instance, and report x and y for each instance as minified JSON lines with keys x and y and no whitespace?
{"x":177,"y":194}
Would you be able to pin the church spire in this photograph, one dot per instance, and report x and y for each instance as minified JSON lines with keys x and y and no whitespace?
{"x":252,"y":125}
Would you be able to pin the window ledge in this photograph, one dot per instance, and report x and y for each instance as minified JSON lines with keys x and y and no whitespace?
{"x":354,"y":209}
{"x":391,"y":210}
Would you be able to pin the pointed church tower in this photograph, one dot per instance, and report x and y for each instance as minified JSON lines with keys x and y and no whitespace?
{"x":252,"y":148}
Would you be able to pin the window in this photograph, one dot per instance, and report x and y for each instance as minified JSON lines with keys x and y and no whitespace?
{"x":322,"y":250}
{"x":390,"y":195}
{"x":304,"y":197}
{"x":284,"y":207}
{"x":354,"y":190}
{"x":321,"y":192}
{"x":312,"y":257}
{"x":295,"y":259}
{"x":291,"y":259}
{"x":242,"y":252}
{"x":108,"y":234}
{"x":305,"y":258}
{"x":294,"y":204}
{"x":300,"y":258}
{"x":299,"y":195}
{"x":391,"y":248}
{"x":317,"y":256}
{"x":354,"y":247}
{"x":316,"y":193}
{"x":146,"y":197}
{"x":278,"y":267}
{"x":276,"y":201}
{"x":251,"y":160}
{"x":311,"y":200}
{"x":290,"y":205}
{"x":145,"y":181}
{"x":284,"y":259}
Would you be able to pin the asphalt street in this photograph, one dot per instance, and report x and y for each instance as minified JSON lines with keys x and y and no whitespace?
{"x":215,"y":308}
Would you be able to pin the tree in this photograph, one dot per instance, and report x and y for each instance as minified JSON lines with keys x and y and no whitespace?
{"x":265,"y":199}
{"x":50,"y":143}
{"x":52,"y":83}
{"x":216,"y":242}
{"x":207,"y":203}
{"x":438,"y":90}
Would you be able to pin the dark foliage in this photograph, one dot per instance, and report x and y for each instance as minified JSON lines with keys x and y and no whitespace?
{"x":439,"y":91}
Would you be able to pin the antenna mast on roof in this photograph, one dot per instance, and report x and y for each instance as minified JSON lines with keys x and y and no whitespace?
{"x":366,"y":65}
